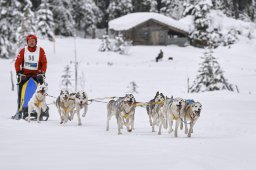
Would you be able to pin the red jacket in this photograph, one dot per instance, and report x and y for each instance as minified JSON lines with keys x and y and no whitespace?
{"x":42,"y":63}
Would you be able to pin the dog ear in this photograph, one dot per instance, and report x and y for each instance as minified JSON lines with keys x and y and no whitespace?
{"x":157,"y":93}
{"x":84,"y":95}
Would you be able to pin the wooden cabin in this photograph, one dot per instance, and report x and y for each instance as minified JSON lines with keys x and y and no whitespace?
{"x":146,"y":28}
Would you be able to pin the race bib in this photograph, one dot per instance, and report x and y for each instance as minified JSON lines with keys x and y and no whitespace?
{"x":31,"y":59}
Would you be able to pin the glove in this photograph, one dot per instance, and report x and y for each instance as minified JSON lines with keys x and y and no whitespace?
{"x":19,"y":72}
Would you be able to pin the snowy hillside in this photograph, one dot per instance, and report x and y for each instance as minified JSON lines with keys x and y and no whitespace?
{"x":223,"y":138}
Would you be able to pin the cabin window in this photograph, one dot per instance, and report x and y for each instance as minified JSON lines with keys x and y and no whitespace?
{"x":146,"y":34}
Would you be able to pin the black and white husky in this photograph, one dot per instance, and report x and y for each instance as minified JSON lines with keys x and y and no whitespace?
{"x":37,"y":102}
{"x":81,"y":103}
{"x":124,"y":109}
{"x":65,"y":105}
{"x":156,"y":112}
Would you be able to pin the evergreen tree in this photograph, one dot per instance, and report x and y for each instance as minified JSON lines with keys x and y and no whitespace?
{"x":103,"y":6}
{"x":140,"y":5}
{"x":203,"y":34}
{"x":9,"y":21}
{"x":86,"y":15}
{"x":66,"y":77}
{"x":27,"y":25}
{"x":64,"y":22}
{"x":44,"y":19}
{"x":171,"y":8}
{"x":119,"y":8}
{"x":210,"y":75}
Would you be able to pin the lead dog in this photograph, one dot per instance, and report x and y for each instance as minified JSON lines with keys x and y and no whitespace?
{"x":65,"y":105}
{"x":37,"y":102}
{"x":175,"y":111}
{"x":81,"y":102}
{"x":191,"y":113}
{"x":124,"y":109}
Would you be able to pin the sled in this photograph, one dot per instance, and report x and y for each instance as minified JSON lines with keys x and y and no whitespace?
{"x":27,"y":91}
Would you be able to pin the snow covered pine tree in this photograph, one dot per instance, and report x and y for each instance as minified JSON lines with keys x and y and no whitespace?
{"x":210,"y":75}
{"x":66,"y":82}
{"x":10,"y":18}
{"x":203,"y":34}
{"x":119,"y":8}
{"x":45,"y":22}
{"x":28,"y":23}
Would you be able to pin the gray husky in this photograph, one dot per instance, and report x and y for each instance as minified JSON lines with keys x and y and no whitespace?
{"x":124,"y":109}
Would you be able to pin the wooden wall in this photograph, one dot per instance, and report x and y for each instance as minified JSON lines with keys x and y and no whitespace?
{"x":153,"y":33}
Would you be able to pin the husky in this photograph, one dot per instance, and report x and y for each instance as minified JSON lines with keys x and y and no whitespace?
{"x":124,"y":109}
{"x":81,"y":102}
{"x":65,"y":105}
{"x":37,"y":102}
{"x":156,"y":113}
{"x":192,"y":112}
{"x":175,"y":111}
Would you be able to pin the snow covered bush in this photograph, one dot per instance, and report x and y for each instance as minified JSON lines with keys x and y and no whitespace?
{"x":231,"y":37}
{"x":118,"y":44}
{"x":105,"y":44}
{"x":210,"y":75}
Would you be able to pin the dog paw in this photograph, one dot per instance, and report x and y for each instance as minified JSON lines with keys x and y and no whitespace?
{"x":119,"y":133}
{"x":159,"y":133}
{"x":79,"y":124}
{"x":189,"y":135}
{"x":129,"y":130}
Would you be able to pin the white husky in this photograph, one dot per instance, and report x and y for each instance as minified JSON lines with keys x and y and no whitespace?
{"x":175,"y":111}
{"x":37,"y":102}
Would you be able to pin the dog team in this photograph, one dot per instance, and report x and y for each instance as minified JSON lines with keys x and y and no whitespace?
{"x":162,"y":111}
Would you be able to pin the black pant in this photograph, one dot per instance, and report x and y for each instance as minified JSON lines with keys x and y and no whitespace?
{"x":22,"y":81}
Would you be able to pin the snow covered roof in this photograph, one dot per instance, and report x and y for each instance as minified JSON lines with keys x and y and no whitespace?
{"x":133,"y":19}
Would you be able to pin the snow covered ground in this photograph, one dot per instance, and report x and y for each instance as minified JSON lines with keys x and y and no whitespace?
{"x":223,"y":138}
